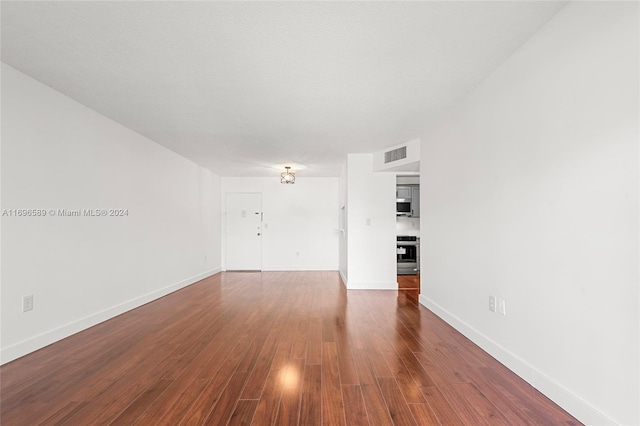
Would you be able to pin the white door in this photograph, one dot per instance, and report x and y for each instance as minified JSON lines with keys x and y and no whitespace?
{"x":244,"y":232}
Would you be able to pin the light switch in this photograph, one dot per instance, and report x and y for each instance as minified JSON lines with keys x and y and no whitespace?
{"x":502,"y":306}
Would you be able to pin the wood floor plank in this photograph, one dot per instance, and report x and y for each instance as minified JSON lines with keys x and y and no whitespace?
{"x":534,"y":405}
{"x":444,"y":411}
{"x":289,"y":411}
{"x":267,"y":410}
{"x":355,"y":412}
{"x":376,"y":358}
{"x":202,"y":405}
{"x":424,"y":415}
{"x":396,"y":404}
{"x":176,"y":398}
{"x":260,"y":371}
{"x":461,"y":406}
{"x":270,"y":348}
{"x":225,"y":405}
{"x":328,"y":330}
{"x":68,"y":411}
{"x":253,"y":352}
{"x":346,"y":365}
{"x":314,"y":342}
{"x":513,"y":414}
{"x":243,"y":413}
{"x":311,"y":400}
{"x":408,"y":386}
{"x":332,"y":404}
{"x":135,"y":410}
{"x":491,"y":415}
{"x":299,"y":349}
{"x":184,"y":402}
{"x":377,"y":411}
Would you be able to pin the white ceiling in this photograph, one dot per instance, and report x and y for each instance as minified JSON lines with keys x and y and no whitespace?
{"x":240,"y":86}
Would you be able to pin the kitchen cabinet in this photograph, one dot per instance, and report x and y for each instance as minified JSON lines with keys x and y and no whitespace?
{"x":409,"y":194}
{"x":403,"y":192}
{"x":415,"y":201}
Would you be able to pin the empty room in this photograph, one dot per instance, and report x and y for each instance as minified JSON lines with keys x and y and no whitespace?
{"x":340,"y":213}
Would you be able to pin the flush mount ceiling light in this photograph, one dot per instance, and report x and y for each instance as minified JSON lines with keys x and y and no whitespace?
{"x":287,"y":176}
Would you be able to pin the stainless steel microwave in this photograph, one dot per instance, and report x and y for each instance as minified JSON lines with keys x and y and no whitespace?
{"x":403,"y":207}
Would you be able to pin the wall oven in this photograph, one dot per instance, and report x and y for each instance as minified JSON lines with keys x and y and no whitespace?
{"x":407,"y":255}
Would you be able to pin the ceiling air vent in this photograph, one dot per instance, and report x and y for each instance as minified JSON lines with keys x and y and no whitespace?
{"x":395,"y":155}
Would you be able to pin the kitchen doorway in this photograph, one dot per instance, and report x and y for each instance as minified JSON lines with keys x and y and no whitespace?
{"x":408,"y":232}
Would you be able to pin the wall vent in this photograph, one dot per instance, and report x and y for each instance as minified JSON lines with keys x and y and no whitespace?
{"x":395,"y":155}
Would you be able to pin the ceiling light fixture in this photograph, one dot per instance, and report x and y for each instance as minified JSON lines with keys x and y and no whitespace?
{"x":287,"y":176}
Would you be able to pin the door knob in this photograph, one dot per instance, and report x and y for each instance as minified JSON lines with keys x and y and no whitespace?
{"x":258,"y":233}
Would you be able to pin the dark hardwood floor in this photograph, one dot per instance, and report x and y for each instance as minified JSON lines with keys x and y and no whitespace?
{"x":270,"y":348}
{"x":408,"y":282}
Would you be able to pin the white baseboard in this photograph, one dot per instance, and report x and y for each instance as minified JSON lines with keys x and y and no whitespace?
{"x":344,"y":279}
{"x":569,"y":401}
{"x":39,"y":341}
{"x":277,"y":268}
{"x":371,"y":285}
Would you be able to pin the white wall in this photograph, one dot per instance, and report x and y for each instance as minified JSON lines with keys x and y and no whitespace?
{"x":530,"y":193}
{"x":371,"y":225}
{"x":300,"y":221}
{"x":58,"y":154}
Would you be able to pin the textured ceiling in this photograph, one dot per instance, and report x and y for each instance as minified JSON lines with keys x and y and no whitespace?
{"x":240,"y":86}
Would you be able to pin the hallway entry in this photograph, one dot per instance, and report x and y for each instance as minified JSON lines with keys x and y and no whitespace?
{"x":244,"y":232}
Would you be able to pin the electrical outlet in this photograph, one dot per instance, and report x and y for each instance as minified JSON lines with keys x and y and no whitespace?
{"x":27,"y":303}
{"x":502,"y":307}
{"x":492,"y":303}
{"x":297,"y":254}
